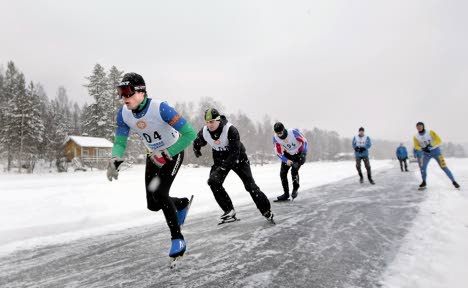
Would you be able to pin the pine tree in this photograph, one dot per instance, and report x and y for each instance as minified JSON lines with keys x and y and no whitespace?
{"x":76,"y":120}
{"x":266,"y":139}
{"x":44,"y":106}
{"x":99,"y":122}
{"x":3,"y":101}
{"x":56,"y":132}
{"x":32,"y":128}
{"x":114,"y":78}
{"x":15,"y":91}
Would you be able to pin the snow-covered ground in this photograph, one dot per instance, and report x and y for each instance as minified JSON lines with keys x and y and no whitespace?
{"x":48,"y":208}
{"x":435,"y":252}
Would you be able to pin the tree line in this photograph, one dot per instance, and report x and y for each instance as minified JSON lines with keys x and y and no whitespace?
{"x":35,"y":126}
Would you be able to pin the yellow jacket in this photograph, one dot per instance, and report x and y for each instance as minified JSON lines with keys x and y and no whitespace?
{"x":435,"y":141}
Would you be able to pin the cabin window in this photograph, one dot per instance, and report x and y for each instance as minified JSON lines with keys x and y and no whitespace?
{"x":103,"y":152}
{"x":85,"y":152}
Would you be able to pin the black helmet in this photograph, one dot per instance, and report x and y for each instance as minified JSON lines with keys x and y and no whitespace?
{"x":278,"y":127}
{"x":361,"y":129}
{"x":133,"y":80}
{"x":212,"y":114}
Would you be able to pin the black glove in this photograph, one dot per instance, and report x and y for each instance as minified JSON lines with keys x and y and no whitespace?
{"x":427,"y":149}
{"x":361,"y":149}
{"x":113,"y":168}
{"x":197,"y":152}
{"x":357,"y":149}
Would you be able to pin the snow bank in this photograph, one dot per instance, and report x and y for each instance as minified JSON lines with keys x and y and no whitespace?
{"x":435,"y":252}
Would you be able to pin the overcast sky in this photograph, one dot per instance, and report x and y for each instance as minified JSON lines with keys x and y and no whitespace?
{"x":336,"y":65}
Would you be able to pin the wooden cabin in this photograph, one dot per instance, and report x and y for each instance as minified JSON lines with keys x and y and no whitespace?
{"x":87,"y":149}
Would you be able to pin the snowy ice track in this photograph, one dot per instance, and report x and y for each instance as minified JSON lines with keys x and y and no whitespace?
{"x":339,"y":235}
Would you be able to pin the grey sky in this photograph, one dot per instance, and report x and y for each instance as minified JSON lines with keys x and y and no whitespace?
{"x":336,"y":65}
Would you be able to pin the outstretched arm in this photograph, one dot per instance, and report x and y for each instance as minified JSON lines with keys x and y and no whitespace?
{"x":121,"y":137}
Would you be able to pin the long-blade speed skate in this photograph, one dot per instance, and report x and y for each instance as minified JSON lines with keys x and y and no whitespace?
{"x":175,"y":261}
{"x":182,"y":214}
{"x":229,"y":220}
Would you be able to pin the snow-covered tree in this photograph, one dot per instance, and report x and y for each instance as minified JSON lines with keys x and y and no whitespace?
{"x":98,"y":121}
{"x":3,"y":99}
{"x":15,"y":91}
{"x":76,"y":119}
{"x":114,"y":77}
{"x":31,"y":129}
{"x":65,"y":108}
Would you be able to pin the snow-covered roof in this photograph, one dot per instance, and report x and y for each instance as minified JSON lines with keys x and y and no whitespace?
{"x":85,"y":141}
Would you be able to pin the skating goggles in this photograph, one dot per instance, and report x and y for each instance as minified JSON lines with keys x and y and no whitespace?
{"x":126,"y":91}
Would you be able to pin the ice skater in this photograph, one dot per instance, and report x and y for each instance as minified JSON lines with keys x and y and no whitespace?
{"x":361,"y":145}
{"x":291,"y":147}
{"x":165,"y":134}
{"x":428,"y":143}
{"x":402,"y":156}
{"x":228,"y":154}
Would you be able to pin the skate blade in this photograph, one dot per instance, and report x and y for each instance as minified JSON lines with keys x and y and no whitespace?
{"x":279,"y":201}
{"x":175,"y":261}
{"x":188,"y":209}
{"x":230,"y":220}
{"x":271,"y":221}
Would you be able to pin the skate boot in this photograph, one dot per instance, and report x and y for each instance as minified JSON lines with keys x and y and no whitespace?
{"x":294,"y":193}
{"x":177,"y":251}
{"x":422,"y":186}
{"x":178,"y":247}
{"x":284,"y":197}
{"x":269,"y":216}
{"x":228,"y":215}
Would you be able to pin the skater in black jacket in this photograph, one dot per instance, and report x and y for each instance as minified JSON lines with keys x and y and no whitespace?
{"x":228,"y":154}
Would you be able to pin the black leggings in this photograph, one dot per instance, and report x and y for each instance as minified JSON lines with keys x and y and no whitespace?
{"x":298,"y":161}
{"x":403,"y":161}
{"x":242,"y":169}
{"x":366,"y":164}
{"x":159,"y":198}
